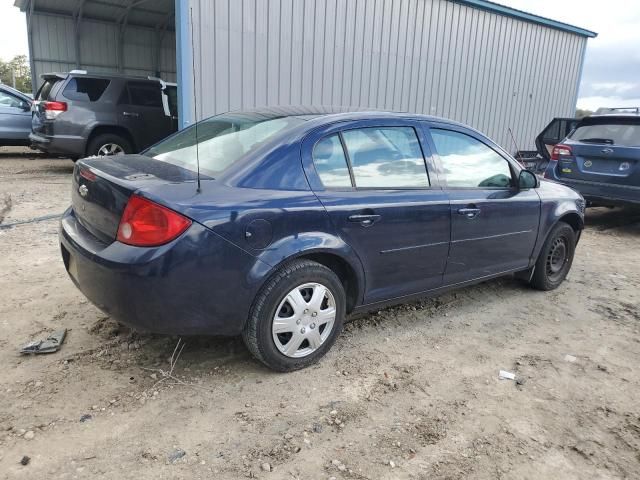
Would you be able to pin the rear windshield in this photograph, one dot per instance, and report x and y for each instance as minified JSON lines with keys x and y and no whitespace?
{"x":85,"y":89}
{"x":620,"y":131}
{"x":45,"y":90}
{"x":222,"y":141}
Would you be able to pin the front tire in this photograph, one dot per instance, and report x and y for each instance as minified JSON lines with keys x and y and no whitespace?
{"x":555,"y":259}
{"x":296,"y":317}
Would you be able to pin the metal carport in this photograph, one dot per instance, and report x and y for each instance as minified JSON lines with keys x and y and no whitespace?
{"x":134,"y":37}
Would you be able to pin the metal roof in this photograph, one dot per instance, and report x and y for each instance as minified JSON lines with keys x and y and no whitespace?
{"x":527,"y":17}
{"x":143,"y":13}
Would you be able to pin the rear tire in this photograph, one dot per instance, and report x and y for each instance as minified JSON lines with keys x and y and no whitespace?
{"x":555,"y":259}
{"x":109,"y":144}
{"x":296,"y":317}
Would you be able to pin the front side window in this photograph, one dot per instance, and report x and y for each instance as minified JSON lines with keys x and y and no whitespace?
{"x":145,"y":94}
{"x":7,"y":100}
{"x":386,"y":157}
{"x":469,"y":163}
{"x":221,"y":141}
{"x":85,"y":89}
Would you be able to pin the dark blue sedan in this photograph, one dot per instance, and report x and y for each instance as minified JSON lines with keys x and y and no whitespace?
{"x":305,"y":215}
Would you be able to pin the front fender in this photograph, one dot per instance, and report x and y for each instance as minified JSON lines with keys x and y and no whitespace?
{"x":552,"y":213}
{"x":304,"y":244}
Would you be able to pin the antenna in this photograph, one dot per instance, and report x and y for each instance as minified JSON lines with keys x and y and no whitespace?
{"x":516,"y":145}
{"x":195,"y":102}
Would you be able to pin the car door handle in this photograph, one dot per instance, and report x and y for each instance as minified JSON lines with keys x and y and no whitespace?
{"x":365,"y":220}
{"x":469,"y":212}
{"x":131,"y":114}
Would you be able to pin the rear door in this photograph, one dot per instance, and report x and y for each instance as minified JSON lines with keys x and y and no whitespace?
{"x":372,"y":178}
{"x":141,"y":111}
{"x":15,"y":117}
{"x":494,"y":225}
{"x":604,"y":150}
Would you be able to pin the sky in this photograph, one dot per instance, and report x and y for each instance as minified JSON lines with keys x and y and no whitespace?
{"x":611,"y":75}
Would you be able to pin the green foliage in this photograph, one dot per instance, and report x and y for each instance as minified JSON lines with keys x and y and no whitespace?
{"x":19,"y":65}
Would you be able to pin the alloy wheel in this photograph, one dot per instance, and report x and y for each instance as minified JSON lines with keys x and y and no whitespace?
{"x":110,"y":149}
{"x":304,"y":320}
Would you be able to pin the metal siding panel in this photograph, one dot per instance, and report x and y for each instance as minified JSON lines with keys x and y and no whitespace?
{"x":236,"y":40}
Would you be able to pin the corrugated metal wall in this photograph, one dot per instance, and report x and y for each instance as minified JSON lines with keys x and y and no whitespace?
{"x":53,"y":47}
{"x":430,"y":56}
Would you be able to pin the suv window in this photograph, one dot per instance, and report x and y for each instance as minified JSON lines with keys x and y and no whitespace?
{"x":388,"y":157}
{"x":85,"y":89}
{"x":145,"y":94}
{"x":467,"y":162}
{"x":623,"y":132}
{"x":331,"y":163}
{"x":172,"y":97}
{"x":45,"y":90}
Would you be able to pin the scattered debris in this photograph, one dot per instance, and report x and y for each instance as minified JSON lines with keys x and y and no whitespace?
{"x":25,"y":460}
{"x":392,"y":464}
{"x":50,"y":344}
{"x":85,"y":417}
{"x":266,"y":467}
{"x":177,"y":454}
{"x":602,"y":368}
{"x":504,"y":375}
{"x":30,"y":435}
{"x":569,"y":358}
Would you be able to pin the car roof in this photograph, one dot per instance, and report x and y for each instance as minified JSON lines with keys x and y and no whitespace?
{"x":334,"y":113}
{"x":85,"y":73}
{"x":4,"y":86}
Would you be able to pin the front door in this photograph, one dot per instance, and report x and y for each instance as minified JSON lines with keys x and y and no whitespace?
{"x":374,"y":183}
{"x":494,"y":224}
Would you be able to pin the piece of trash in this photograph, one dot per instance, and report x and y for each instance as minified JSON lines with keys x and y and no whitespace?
{"x":25,"y":460}
{"x":85,"y":417}
{"x":50,"y":344}
{"x":176,"y":455}
{"x":520,"y":381}
{"x":569,"y":358}
{"x":504,"y":375}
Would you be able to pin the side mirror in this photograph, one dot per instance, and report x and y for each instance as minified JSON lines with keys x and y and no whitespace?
{"x":527,"y":179}
{"x":25,"y":106}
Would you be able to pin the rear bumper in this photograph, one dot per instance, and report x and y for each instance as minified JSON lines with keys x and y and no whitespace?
{"x":603,"y":193}
{"x":59,"y":145}
{"x":197,"y":284}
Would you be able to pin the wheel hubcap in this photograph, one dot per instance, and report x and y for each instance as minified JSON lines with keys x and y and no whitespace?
{"x":110,"y":149}
{"x":557,"y":258}
{"x":304,"y":320}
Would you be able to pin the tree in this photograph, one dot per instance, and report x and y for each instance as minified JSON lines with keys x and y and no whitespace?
{"x":17,"y":68}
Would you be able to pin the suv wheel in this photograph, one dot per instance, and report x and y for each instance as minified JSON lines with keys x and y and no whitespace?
{"x":555,"y":259}
{"x":296,"y":317}
{"x":109,"y":144}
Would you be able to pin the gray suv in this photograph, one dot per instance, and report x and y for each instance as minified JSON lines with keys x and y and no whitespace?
{"x":80,"y":114}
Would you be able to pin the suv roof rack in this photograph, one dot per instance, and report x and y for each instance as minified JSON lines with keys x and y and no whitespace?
{"x":617,"y":110}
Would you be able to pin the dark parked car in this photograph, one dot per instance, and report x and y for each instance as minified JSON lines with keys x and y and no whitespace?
{"x":600,"y":158}
{"x":15,"y":117}
{"x":80,"y":114}
{"x":304,"y":216}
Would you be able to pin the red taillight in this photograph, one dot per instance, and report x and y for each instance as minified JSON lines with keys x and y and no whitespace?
{"x":53,"y":109}
{"x":560,"y":151}
{"x":146,"y":224}
{"x":88,"y":175}
{"x":56,"y":106}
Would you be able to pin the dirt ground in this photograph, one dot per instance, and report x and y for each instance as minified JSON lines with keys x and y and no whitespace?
{"x":406,"y":393}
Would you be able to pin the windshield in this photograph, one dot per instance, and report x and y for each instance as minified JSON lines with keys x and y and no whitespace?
{"x":623,"y":132}
{"x":222,"y":141}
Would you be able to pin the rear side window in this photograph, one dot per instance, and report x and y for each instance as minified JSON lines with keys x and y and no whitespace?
{"x":45,"y":90}
{"x":172,"y":97}
{"x":621,"y":132}
{"x":331,"y":163}
{"x":85,"y":89}
{"x":145,"y":94}
{"x":469,"y":163}
{"x":388,"y":157}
